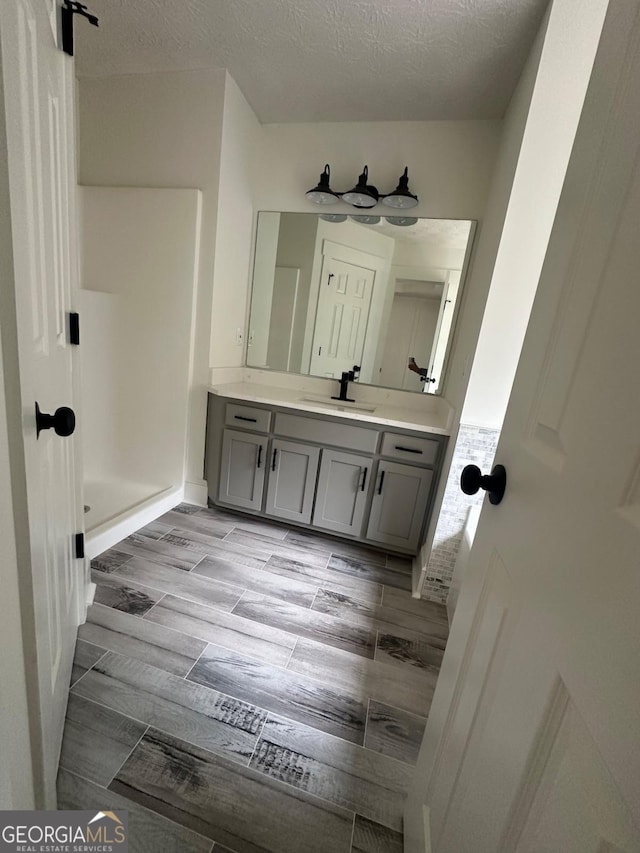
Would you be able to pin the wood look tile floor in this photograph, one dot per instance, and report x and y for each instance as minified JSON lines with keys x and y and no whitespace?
{"x":246,"y":688}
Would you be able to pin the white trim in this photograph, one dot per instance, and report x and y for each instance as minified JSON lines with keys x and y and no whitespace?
{"x":113,"y":531}
{"x":196,"y":493}
{"x":17,"y":777}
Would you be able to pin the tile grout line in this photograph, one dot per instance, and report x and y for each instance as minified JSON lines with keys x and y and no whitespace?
{"x":166,"y":533}
{"x":106,"y":652}
{"x":162,"y":598}
{"x":366,"y":723}
{"x":186,"y":677}
{"x":231,"y":612}
{"x":255,"y":746}
{"x":375,"y":646}
{"x":317,"y":592}
{"x":295,"y":645}
{"x":197,"y":563}
{"x":353,"y":832}
{"x":130,"y":753}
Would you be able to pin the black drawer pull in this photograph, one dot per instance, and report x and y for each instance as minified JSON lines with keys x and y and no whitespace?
{"x":408,"y":449}
{"x":364,"y":479}
{"x":259,"y":455}
{"x":381,"y":482}
{"x":242,"y":418}
{"x":275,"y":456}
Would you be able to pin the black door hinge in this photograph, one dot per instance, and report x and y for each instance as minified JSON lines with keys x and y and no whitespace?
{"x":79,"y":537}
{"x":74,"y":328}
{"x":71,"y":8}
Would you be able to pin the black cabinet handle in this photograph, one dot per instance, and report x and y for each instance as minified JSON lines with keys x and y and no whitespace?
{"x":408,"y":449}
{"x":275,"y":456}
{"x":259,"y":455}
{"x":364,"y":479}
{"x":249,"y":420}
{"x":63,"y":421}
{"x":381,"y":482}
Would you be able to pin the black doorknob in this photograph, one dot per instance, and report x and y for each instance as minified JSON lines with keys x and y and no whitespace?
{"x":495,"y":483}
{"x":63,"y":421}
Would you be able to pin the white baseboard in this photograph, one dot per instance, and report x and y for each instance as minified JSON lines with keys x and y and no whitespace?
{"x":196,"y":493}
{"x":113,"y":531}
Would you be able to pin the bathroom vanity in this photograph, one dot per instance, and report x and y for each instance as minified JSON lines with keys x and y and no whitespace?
{"x":364,"y":472}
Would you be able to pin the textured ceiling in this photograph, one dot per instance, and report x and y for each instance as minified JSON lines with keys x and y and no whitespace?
{"x":444,"y":233}
{"x":327,"y":60}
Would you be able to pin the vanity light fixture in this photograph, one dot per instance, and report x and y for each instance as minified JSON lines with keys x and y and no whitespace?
{"x":323,"y":194}
{"x":364,"y":194}
{"x":401,"y":197}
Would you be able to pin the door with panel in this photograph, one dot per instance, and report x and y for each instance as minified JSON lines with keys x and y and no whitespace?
{"x":38,"y":82}
{"x":399,"y":505}
{"x":531,"y":743}
{"x":344,"y":301}
{"x":343,"y":485}
{"x":293,"y":469}
{"x":242,"y":469}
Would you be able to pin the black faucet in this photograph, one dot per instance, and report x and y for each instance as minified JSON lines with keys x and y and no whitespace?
{"x":347,"y":377}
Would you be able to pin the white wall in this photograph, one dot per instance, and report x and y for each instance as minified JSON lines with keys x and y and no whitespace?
{"x":553,"y":113}
{"x":234,"y":228}
{"x":163,"y":130}
{"x":450,"y":163}
{"x":139,"y":256}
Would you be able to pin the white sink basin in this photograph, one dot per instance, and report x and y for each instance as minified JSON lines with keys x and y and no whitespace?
{"x":337,"y":405}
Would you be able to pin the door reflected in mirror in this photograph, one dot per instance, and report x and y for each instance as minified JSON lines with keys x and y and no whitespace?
{"x":331,"y":294}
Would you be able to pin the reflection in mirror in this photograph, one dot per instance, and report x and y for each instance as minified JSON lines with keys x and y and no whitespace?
{"x":331,"y":294}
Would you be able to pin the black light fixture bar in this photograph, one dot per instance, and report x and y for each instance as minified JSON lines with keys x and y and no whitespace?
{"x":364,"y":194}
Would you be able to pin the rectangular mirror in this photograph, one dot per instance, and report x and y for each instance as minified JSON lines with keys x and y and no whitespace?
{"x":332,"y":293}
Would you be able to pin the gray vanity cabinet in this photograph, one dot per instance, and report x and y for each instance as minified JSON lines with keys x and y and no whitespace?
{"x":350,"y":477}
{"x":400,"y":501}
{"x":341,"y":497}
{"x":242,"y":469}
{"x":293,"y":469}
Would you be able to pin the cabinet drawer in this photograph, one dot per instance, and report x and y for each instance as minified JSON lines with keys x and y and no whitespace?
{"x":326,"y":432}
{"x":415,"y":449}
{"x":247,"y":417}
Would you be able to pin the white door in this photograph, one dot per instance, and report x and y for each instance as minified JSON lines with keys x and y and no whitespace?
{"x":38,"y":89}
{"x":344,"y":301}
{"x":410,"y":334}
{"x":532,"y":743}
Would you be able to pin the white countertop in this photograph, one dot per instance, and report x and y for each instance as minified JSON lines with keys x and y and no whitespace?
{"x":430,"y":419}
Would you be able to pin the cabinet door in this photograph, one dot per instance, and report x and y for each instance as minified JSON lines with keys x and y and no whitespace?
{"x":292,"y":480}
{"x":242,"y":467}
{"x":399,"y":505}
{"x":342,"y":492}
